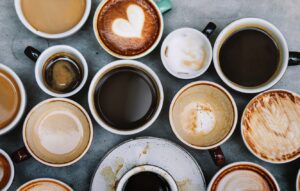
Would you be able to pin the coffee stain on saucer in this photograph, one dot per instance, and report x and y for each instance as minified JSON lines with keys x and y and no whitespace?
{"x":144,"y":151}
{"x":186,"y":185}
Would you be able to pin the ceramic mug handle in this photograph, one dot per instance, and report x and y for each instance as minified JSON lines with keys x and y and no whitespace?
{"x":217,"y":156}
{"x":20,"y":155}
{"x":32,"y":53}
{"x":164,"y":5}
{"x":294,"y":58}
{"x":209,"y":29}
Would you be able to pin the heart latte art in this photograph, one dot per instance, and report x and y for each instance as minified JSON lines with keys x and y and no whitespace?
{"x":128,"y":27}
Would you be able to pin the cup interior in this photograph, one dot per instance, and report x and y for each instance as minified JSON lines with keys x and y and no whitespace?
{"x":12,"y":169}
{"x":23,"y":100}
{"x":43,"y":59}
{"x":272,"y":31}
{"x":73,"y":30}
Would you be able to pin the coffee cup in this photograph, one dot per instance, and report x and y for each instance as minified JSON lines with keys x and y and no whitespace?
{"x":125,"y":97}
{"x":53,"y":19}
{"x":57,"y":132}
{"x":154,"y":176}
{"x":13,"y":99}
{"x":60,"y":71}
{"x":270,"y":126}
{"x":251,"y":55}
{"x":186,"y":53}
{"x":245,"y":176}
{"x":44,"y":184}
{"x":129,"y":29}
{"x":203,"y":115}
{"x":7,"y":171}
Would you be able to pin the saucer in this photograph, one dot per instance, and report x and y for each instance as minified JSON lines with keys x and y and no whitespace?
{"x":153,"y":151}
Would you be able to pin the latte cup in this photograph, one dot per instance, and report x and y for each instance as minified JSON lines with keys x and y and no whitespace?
{"x":11,"y":171}
{"x":147,"y":168}
{"x":45,"y":184}
{"x":57,"y":132}
{"x":245,"y":176}
{"x":286,"y":58}
{"x":160,"y":7}
{"x":40,"y":60}
{"x":22,"y":101}
{"x":203,"y":115}
{"x":65,"y":34}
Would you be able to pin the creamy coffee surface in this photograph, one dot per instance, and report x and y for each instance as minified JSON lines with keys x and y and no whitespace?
{"x":53,"y":16}
{"x":57,"y":132}
{"x":271,"y":125}
{"x":203,"y":115}
{"x":44,"y":185}
{"x":5,"y":171}
{"x":128,"y":27}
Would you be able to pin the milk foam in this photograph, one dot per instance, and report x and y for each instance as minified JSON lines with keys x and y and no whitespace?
{"x":185,"y":52}
{"x":44,"y":186}
{"x":60,"y":132}
{"x":133,"y":27}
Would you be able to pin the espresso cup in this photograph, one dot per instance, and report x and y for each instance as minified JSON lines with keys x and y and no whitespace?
{"x":279,"y":55}
{"x":166,"y":179}
{"x":44,"y":184}
{"x":132,"y":36}
{"x":53,"y":34}
{"x":7,"y":171}
{"x":57,"y":132}
{"x":203,"y":115}
{"x":76,"y":73}
{"x":186,"y":53}
{"x":270,"y":126}
{"x":245,"y":176}
{"x":125,"y":97}
{"x":13,"y":99}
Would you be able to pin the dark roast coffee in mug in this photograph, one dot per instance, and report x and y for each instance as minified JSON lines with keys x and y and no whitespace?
{"x":126,"y":98}
{"x":249,"y":57}
{"x":62,"y":73}
{"x":5,"y":171}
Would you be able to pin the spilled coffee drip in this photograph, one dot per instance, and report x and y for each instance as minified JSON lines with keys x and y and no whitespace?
{"x":62,"y":73}
{"x":5,"y":171}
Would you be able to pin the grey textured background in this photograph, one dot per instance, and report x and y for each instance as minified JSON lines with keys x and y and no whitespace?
{"x":14,"y":37}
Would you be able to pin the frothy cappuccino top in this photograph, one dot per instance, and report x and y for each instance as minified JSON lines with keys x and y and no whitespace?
{"x":44,"y":185}
{"x":128,"y":27}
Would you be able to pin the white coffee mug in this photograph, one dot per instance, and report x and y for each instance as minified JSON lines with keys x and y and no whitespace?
{"x":70,"y":32}
{"x":109,"y":67}
{"x":23,"y":100}
{"x":286,"y":57}
{"x":41,"y":59}
{"x":147,"y":168}
{"x":12,"y":170}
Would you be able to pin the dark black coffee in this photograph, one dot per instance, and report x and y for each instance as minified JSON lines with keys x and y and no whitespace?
{"x":62,"y":73}
{"x":249,"y":57}
{"x":146,"y":181}
{"x":126,"y":98}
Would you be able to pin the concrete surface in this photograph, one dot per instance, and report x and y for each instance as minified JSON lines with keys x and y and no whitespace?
{"x":14,"y":37}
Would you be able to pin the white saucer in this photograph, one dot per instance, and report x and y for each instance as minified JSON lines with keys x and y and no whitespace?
{"x":149,"y":150}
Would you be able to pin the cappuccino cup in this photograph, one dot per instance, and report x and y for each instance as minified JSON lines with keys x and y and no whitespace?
{"x":60,"y":71}
{"x":129,"y":29}
{"x":7,"y":171}
{"x":245,"y":176}
{"x":249,"y":38}
{"x":13,"y":99}
{"x":53,"y":19}
{"x":203,"y":115}
{"x":57,"y":132}
{"x":45,"y":184}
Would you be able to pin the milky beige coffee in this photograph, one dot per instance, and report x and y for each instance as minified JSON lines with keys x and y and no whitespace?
{"x":271,"y":126}
{"x":53,"y":16}
{"x":202,"y":115}
{"x":57,"y":132}
{"x":43,"y":185}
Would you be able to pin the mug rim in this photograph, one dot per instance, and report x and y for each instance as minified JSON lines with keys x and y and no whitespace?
{"x":239,"y":164}
{"x":233,"y":103}
{"x":218,"y":45}
{"x":67,"y":33}
{"x":109,"y":67}
{"x":58,"y":164}
{"x":44,"y":56}
{"x":23,"y":100}
{"x":202,"y":70}
{"x":243,"y":136}
{"x":147,"y":168}
{"x":119,"y":56}
{"x":45,"y":179}
{"x":12,"y":169}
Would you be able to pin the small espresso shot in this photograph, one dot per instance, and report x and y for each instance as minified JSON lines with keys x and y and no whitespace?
{"x":62,"y":73}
